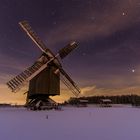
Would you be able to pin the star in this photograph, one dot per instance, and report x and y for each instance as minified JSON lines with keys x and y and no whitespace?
{"x":123,"y":13}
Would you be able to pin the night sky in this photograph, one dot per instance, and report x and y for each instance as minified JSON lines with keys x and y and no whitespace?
{"x":107,"y":61}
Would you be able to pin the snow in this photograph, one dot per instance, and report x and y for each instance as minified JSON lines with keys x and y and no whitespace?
{"x":89,"y":123}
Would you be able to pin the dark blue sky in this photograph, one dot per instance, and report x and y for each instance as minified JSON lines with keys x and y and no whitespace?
{"x":108,"y":33}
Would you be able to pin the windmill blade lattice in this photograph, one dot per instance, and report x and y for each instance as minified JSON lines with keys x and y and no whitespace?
{"x":35,"y":38}
{"x":19,"y":81}
{"x":65,"y":78}
{"x":66,"y":50}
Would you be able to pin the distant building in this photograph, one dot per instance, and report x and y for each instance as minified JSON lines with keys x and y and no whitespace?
{"x":82,"y":103}
{"x":105,"y":103}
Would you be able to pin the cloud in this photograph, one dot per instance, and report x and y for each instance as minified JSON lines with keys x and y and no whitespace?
{"x":87,"y":89}
{"x":94,"y":91}
{"x":105,"y":23}
{"x":11,"y":66}
{"x":8,"y":63}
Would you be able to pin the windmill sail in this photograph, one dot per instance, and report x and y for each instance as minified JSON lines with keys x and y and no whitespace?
{"x":66,"y":50}
{"x":35,"y":38}
{"x":65,"y":78}
{"x":18,"y":81}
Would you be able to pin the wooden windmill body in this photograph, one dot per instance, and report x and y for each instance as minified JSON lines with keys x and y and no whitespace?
{"x":45,"y":74}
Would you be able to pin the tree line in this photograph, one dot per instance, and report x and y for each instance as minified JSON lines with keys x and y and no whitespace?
{"x":123,"y":99}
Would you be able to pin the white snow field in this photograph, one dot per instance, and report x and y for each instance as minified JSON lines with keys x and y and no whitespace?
{"x":89,"y":123}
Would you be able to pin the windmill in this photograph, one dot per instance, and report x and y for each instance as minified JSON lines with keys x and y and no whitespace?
{"x":45,"y":74}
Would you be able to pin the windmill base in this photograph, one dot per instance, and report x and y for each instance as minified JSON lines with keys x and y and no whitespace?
{"x":41,"y":104}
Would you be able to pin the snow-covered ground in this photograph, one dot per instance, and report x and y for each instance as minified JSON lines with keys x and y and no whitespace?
{"x":90,"y":123}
